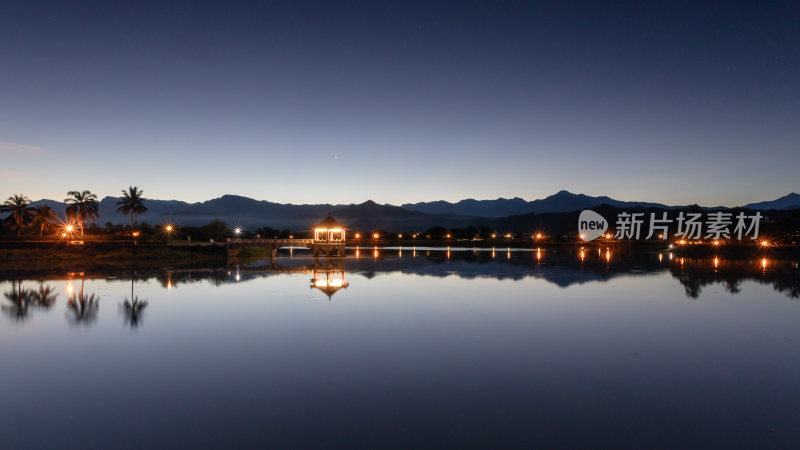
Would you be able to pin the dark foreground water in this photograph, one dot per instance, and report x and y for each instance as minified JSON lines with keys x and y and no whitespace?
{"x":404,"y":349}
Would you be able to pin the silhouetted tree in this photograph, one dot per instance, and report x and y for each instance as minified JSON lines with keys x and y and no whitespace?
{"x":132,"y":204}
{"x":44,"y":218}
{"x":217,"y":230}
{"x":83,"y":206}
{"x":19,"y":207}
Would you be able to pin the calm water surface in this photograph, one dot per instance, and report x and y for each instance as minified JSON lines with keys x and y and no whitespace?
{"x":405,"y":349}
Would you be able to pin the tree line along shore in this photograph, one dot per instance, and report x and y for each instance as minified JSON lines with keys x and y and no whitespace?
{"x":28,"y":232}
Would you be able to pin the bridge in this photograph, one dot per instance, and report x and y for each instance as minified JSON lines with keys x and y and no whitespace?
{"x":317,"y":247}
{"x":329,"y":239}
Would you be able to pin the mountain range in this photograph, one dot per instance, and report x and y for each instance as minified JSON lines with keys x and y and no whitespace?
{"x":253,"y":214}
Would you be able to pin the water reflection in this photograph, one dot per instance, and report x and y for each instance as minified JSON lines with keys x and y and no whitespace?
{"x":562,"y":267}
{"x":328,"y":280}
{"x":695,"y":274}
{"x":45,"y":296}
{"x":81,"y":307}
{"x":20,"y":299}
{"x":571,"y":345}
{"x":133,"y":308}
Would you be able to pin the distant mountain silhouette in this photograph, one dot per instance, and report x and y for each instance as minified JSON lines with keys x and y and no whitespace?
{"x":370,"y":215}
{"x":790,"y":201}
{"x":253,"y":214}
{"x":471,"y":207}
{"x":562,"y":201}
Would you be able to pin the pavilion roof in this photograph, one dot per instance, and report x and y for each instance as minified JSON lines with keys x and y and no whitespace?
{"x":329,"y":223}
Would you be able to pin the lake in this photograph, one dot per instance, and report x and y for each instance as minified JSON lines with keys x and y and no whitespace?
{"x":407,"y":348}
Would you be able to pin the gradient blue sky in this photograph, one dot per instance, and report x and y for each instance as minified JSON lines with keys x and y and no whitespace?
{"x":398,"y":102}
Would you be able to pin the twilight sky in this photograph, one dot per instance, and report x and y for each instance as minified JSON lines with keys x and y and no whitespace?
{"x":329,"y":102}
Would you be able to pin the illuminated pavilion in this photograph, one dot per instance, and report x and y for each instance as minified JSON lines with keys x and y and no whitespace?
{"x":329,"y":238}
{"x":329,"y":231}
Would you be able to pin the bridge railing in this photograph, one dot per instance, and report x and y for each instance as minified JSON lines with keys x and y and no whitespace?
{"x":272,"y":242}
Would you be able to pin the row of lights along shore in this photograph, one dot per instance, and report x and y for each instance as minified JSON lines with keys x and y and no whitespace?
{"x":606,"y":237}
{"x":169,"y":229}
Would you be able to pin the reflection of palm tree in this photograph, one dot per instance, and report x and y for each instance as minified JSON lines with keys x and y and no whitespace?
{"x":133,"y":309}
{"x":19,"y":207}
{"x":83,"y":207}
{"x":132,"y":203}
{"x":44,"y":217}
{"x":45,"y":297}
{"x":733,"y":285}
{"x":20,"y":299}
{"x":82,"y":308}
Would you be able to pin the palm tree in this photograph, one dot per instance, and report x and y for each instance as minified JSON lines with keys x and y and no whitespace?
{"x":83,"y":206}
{"x":19,"y":207}
{"x":45,"y":217}
{"x":132,"y":203}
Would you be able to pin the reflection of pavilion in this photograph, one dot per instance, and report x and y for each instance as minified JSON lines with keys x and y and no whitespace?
{"x":328,"y":276}
{"x":328,"y":280}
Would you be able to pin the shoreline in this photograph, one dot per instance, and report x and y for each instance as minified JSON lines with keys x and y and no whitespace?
{"x":151,"y":255}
